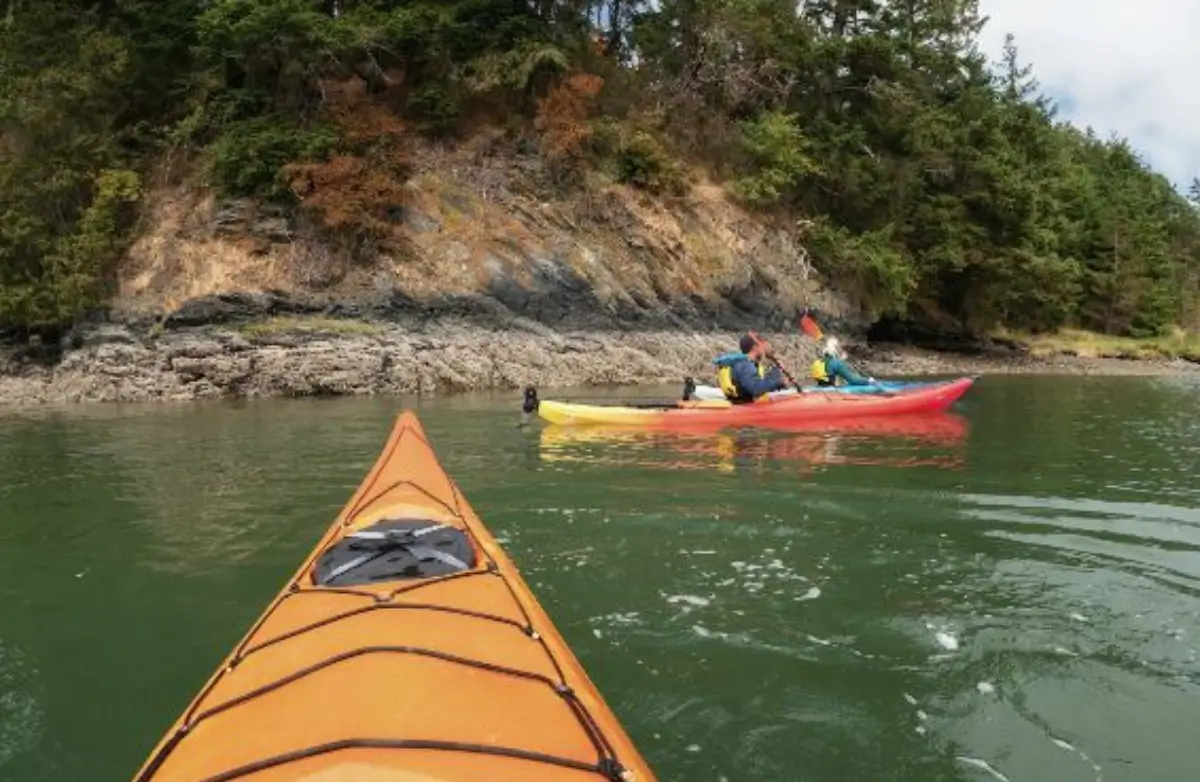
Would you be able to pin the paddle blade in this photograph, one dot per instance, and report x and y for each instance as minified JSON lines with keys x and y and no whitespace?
{"x":810,"y":326}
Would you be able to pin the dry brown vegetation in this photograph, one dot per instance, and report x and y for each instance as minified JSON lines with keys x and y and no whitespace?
{"x":359,"y":195}
{"x":562,"y":120}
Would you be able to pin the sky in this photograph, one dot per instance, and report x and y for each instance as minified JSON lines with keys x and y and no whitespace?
{"x":1132,"y":68}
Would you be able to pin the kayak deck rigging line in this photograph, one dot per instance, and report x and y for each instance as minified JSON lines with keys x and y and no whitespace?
{"x":310,"y":583}
{"x":382,"y":606}
{"x":608,"y":769}
{"x":606,"y":766}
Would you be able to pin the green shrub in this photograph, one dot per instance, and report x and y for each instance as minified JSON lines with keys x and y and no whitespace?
{"x":641,"y":160}
{"x":57,"y":278}
{"x":434,"y":109}
{"x":248,"y":155}
{"x":869,"y":265}
{"x":778,"y":149}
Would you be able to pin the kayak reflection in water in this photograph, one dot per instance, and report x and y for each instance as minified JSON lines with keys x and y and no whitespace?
{"x":831,"y":365}
{"x":917,"y":440}
{"x":743,"y":376}
{"x":763,"y":451}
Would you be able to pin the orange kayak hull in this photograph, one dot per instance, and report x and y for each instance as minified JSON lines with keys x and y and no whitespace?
{"x":447,"y":677}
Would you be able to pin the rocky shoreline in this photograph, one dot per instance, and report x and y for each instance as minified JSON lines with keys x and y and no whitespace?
{"x":324,"y":357}
{"x":492,"y":279}
{"x":320,"y":355}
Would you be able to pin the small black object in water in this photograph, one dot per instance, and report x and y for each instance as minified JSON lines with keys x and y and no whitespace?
{"x":530,"y":406}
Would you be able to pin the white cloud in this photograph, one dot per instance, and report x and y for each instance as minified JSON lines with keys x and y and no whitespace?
{"x":1132,"y":68}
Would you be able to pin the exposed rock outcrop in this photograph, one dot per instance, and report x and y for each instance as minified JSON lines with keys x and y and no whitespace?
{"x":322,"y":356}
{"x":479,"y":232}
{"x":315,"y":355}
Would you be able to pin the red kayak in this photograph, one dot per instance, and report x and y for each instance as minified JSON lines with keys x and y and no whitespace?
{"x":798,"y":408}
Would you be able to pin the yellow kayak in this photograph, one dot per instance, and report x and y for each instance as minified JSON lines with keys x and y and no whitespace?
{"x":406,"y":648}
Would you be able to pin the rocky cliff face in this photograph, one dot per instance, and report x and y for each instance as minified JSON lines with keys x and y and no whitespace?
{"x":478,"y":223}
{"x":490,"y":284}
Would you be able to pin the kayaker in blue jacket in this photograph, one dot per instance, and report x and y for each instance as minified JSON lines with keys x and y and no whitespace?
{"x":743,"y":377}
{"x":830,"y":366}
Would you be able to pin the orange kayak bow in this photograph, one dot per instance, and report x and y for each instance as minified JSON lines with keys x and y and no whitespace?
{"x":406,"y":648}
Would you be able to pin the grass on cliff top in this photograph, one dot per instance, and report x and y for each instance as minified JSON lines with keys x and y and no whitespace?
{"x":283,"y":324}
{"x":1087,"y":344}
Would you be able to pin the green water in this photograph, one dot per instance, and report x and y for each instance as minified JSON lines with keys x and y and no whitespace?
{"x":754,"y":607}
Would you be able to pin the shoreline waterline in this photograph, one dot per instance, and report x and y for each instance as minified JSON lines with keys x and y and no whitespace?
{"x":322,"y":357}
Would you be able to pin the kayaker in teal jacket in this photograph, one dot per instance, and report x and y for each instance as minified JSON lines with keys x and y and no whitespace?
{"x":830,"y":366}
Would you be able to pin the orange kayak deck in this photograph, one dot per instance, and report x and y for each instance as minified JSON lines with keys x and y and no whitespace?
{"x":406,"y":648}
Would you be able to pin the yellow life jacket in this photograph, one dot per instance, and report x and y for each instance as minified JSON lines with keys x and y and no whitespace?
{"x":725,"y":379}
{"x":819,"y":371}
